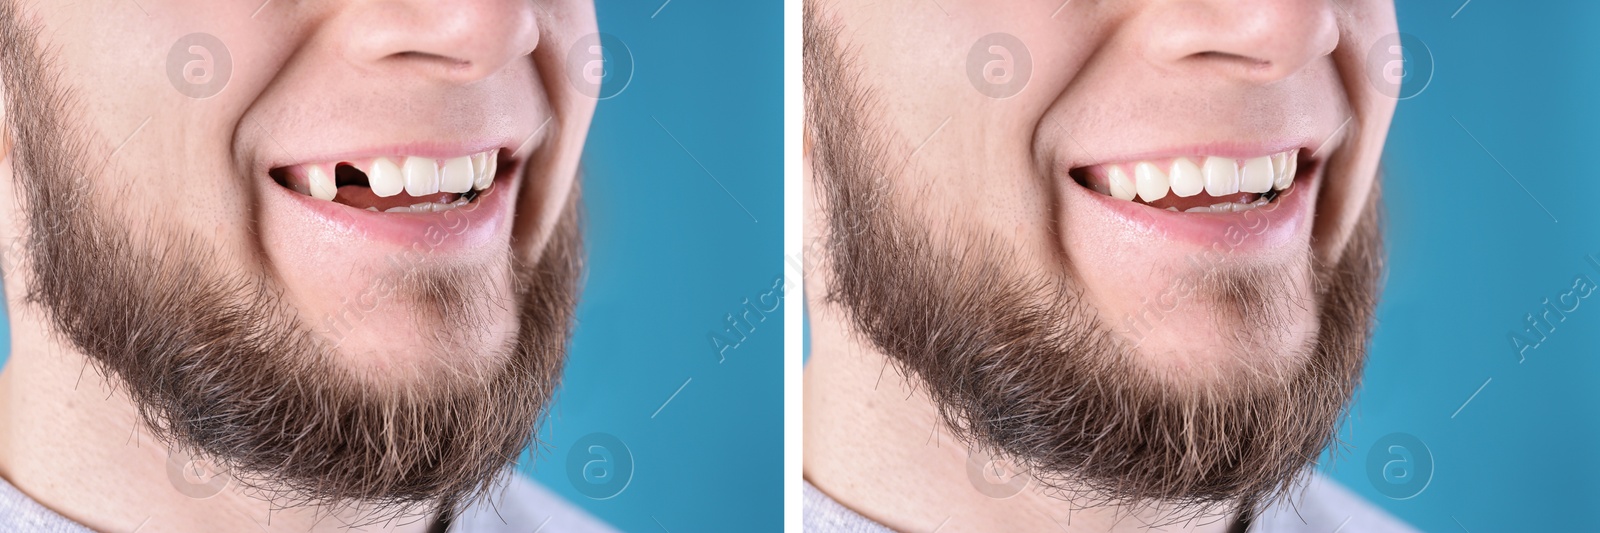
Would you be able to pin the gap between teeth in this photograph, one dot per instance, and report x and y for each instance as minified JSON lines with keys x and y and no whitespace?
{"x":417,"y":176}
{"x":1217,"y":176}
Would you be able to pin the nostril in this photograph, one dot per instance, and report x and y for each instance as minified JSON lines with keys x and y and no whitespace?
{"x":1242,"y":63}
{"x":445,"y":63}
{"x":1231,"y":57}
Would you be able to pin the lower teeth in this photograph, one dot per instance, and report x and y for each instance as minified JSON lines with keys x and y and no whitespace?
{"x":1225,"y":207}
{"x":425,"y":207}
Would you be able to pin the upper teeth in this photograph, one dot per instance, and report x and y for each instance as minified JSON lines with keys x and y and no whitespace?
{"x":1217,"y":176}
{"x":417,"y":176}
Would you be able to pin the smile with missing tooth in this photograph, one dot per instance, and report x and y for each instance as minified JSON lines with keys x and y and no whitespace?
{"x":395,"y":184}
{"x":1202,"y":184}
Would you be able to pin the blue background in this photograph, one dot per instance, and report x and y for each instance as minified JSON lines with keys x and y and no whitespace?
{"x":672,"y":252}
{"x":671,"y":255}
{"x":1489,"y":189}
{"x":1471,"y":254}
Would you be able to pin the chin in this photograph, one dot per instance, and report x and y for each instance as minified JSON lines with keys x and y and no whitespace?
{"x":1228,"y":333}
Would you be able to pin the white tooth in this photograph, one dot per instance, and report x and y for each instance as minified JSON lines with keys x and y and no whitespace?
{"x":1222,"y":176}
{"x":322,"y":185}
{"x":1122,"y":187}
{"x":385,"y":178}
{"x":1286,"y":176}
{"x":422,"y":176}
{"x":372,"y":209}
{"x":1172,"y":209}
{"x":1257,"y":175}
{"x":399,"y":209}
{"x":457,"y":175}
{"x":484,"y":171}
{"x":1150,"y":182}
{"x":1280,"y":160}
{"x":1225,"y":207}
{"x":1186,"y":178}
{"x":425,"y":207}
{"x":1199,"y":209}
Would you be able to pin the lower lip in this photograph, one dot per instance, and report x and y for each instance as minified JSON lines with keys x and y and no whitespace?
{"x":465,"y":227}
{"x":1263,"y":228}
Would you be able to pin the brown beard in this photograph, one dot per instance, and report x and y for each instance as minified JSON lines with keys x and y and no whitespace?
{"x":1018,"y":363}
{"x":217,"y":362}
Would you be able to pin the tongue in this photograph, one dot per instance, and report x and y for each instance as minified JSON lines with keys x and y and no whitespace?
{"x":362,"y":197}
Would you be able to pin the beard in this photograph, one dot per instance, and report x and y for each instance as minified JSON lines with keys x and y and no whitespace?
{"x":1018,"y":363}
{"x":218,"y":363}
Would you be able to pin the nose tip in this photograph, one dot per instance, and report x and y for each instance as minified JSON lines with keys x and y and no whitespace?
{"x":459,"y":41}
{"x":1255,"y":40}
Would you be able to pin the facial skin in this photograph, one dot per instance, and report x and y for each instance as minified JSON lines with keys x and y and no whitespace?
{"x":374,"y":364}
{"x":1186,"y":364}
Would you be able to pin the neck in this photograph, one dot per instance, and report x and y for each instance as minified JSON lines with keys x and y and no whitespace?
{"x":875,"y":443}
{"x":72,"y":440}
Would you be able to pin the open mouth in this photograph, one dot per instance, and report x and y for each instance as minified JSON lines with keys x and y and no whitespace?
{"x":397,"y":184}
{"x":1197,"y":184}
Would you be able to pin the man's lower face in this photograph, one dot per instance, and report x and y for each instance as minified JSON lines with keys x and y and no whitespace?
{"x":1051,"y":370}
{"x":304,"y":407}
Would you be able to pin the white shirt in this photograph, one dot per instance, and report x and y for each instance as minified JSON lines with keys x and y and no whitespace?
{"x":1322,"y":506}
{"x":521,"y":506}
